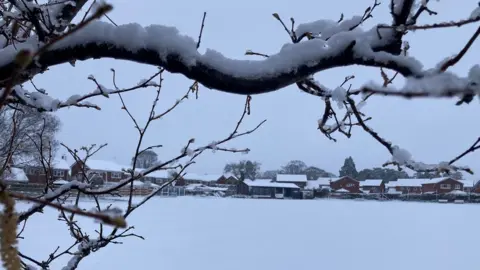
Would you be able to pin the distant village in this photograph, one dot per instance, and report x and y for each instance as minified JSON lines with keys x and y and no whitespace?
{"x":282,"y":186}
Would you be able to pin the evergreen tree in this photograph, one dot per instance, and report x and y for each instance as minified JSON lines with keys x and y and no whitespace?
{"x":348,"y":168}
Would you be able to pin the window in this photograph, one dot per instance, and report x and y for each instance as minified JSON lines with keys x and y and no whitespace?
{"x":445,"y":186}
{"x":350,"y":185}
{"x":116,"y":175}
{"x":58,"y":173}
{"x":457,"y":186}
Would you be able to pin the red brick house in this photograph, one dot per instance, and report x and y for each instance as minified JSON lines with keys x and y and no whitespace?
{"x":59,"y":170}
{"x":372,"y":186}
{"x":347,"y":183}
{"x":441,"y":185}
{"x":103,"y":171}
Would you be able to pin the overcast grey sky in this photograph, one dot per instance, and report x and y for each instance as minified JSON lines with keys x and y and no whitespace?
{"x":433,"y":130}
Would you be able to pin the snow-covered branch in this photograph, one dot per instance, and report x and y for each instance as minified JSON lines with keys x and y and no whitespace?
{"x":164,"y":46}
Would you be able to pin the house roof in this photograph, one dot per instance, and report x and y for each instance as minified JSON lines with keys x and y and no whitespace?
{"x":268,"y":183}
{"x":297,"y":178}
{"x":228,"y":175}
{"x":468,"y":183}
{"x":321,"y":181}
{"x":324,"y":181}
{"x":59,"y":163}
{"x":202,"y":177}
{"x":371,"y":183}
{"x":16,"y":174}
{"x":408,"y":182}
{"x":104,"y":165}
{"x":438,"y":180}
{"x":155,"y":174}
{"x":342,"y":190}
{"x":343,"y":177}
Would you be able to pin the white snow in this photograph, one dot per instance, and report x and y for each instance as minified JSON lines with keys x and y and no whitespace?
{"x":196,"y":233}
{"x":371,"y":183}
{"x":437,"y":180}
{"x":138,"y":183}
{"x":60,"y":182}
{"x":202,"y":177}
{"x":160,"y":174}
{"x":437,"y":84}
{"x":339,"y":95}
{"x":104,"y":165}
{"x":201,"y":187}
{"x":475,"y":13}
{"x":16,"y":175}
{"x":468,"y":183}
{"x":408,"y":182}
{"x":294,"y":178}
{"x":320,"y":182}
{"x":268,"y":183}
{"x":401,"y":155}
{"x":325,"y":29}
{"x":59,"y":163}
{"x":167,"y":41}
{"x":393,"y":191}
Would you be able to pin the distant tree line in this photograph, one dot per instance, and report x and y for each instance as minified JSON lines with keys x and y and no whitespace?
{"x":247,"y":169}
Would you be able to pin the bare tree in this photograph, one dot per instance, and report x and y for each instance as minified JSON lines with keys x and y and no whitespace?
{"x":28,"y":131}
{"x":83,"y":244}
{"x":146,"y":159}
{"x":37,"y":36}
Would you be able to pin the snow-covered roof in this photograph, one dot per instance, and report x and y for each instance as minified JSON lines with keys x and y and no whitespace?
{"x":297,"y":178}
{"x":321,"y":181}
{"x":437,"y":180}
{"x":268,"y":183}
{"x":104,"y":165}
{"x":155,"y":174}
{"x":59,"y":163}
{"x":371,"y":183}
{"x":407,"y":182}
{"x":16,"y":174}
{"x":468,"y":183}
{"x":202,"y":177}
{"x":325,"y":181}
{"x":228,"y":175}
{"x":342,"y":190}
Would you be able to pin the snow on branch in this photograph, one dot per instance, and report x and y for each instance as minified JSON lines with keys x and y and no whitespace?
{"x":165,"y":46}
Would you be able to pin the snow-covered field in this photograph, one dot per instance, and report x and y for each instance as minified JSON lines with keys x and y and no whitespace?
{"x":216,"y":233}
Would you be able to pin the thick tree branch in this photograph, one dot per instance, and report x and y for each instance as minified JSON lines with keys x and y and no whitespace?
{"x":163,"y":46}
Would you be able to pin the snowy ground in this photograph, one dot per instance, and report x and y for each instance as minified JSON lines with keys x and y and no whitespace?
{"x":216,"y":233}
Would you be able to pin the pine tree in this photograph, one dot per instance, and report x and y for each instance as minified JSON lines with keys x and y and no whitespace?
{"x":348,"y":168}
